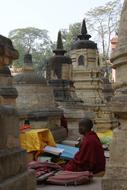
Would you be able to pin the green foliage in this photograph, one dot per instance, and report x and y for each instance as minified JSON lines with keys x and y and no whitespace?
{"x":32,"y":40}
{"x":103,"y":23}
{"x":70,"y":35}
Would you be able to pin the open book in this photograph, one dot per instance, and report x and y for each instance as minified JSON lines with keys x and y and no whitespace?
{"x":53,"y":150}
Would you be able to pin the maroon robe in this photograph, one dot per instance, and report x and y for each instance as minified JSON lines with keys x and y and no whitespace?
{"x":90,"y":156}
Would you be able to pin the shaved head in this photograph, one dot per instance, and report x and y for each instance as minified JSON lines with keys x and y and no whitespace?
{"x":85,"y":125}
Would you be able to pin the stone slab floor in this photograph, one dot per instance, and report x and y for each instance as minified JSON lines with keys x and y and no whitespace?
{"x":96,"y":185}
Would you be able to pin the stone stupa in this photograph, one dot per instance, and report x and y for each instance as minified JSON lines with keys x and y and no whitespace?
{"x":13,"y":162}
{"x":36,"y":100}
{"x":116,"y":173}
{"x":59,"y":76}
{"x":87,"y":79}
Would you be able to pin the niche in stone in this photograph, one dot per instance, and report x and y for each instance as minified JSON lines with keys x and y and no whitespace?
{"x":81,"y":60}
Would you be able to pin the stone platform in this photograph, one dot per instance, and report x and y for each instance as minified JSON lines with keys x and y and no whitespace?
{"x":96,"y":185}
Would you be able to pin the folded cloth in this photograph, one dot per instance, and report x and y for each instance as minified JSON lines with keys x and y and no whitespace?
{"x":70,"y":178}
{"x":42,"y":168}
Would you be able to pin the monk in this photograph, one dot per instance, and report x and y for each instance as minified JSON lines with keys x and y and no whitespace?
{"x":91,"y":154}
{"x":25,"y":126}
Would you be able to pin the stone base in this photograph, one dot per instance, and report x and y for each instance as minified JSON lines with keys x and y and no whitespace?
{"x":74,"y":113}
{"x":12,"y":163}
{"x":13,"y":171}
{"x":24,"y":181}
{"x":114,"y":184}
{"x":116,"y":172}
{"x":105,"y":125}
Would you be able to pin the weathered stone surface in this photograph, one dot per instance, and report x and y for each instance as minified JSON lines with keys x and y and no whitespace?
{"x":116,"y":173}
{"x":59,"y":66}
{"x":23,"y":181}
{"x":36,"y":99}
{"x":7,"y":50}
{"x":115,"y":184}
{"x":59,"y":76}
{"x":87,"y":79}
{"x":95,"y":185}
{"x":13,"y":172}
{"x":8,"y":127}
{"x":17,"y":158}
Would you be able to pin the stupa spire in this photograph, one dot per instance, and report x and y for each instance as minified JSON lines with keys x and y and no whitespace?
{"x":28,"y":59}
{"x":84,"y":35}
{"x":59,"y":41}
{"x":83,"y":28}
{"x":59,"y":47}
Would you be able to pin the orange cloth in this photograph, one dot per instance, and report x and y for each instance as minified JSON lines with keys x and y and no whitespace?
{"x":36,"y":139}
{"x":25,"y":126}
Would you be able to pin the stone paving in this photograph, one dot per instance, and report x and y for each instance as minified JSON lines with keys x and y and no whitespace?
{"x":96,"y":185}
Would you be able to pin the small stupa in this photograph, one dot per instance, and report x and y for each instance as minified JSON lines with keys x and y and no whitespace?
{"x":59,"y":72}
{"x":87,"y":79}
{"x":36,"y":100}
{"x":59,"y":76}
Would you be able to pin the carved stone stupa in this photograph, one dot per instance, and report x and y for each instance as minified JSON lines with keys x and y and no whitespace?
{"x":59,"y":72}
{"x":116,"y":173}
{"x":13,"y":163}
{"x":36,"y":100}
{"x":59,"y":76}
{"x":86,"y":73}
{"x":87,"y":79}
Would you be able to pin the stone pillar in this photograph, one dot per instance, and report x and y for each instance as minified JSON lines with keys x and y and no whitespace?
{"x":116,"y":173}
{"x":13,"y":164}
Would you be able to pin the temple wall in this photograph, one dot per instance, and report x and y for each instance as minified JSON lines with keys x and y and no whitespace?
{"x":90,"y":58}
{"x":34,"y":97}
{"x":88,"y":87}
{"x":121,"y":73}
{"x":67,"y":71}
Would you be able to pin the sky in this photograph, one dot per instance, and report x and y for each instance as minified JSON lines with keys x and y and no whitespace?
{"x":44,"y":14}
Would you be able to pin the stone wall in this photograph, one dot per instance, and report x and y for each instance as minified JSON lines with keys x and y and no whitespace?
{"x":13,"y":162}
{"x":34,"y":97}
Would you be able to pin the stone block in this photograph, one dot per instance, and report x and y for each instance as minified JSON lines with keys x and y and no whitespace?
{"x":36,"y":97}
{"x":13,"y":172}
{"x":23,"y":181}
{"x":114,"y":184}
{"x":12,"y":162}
{"x":8,"y":127}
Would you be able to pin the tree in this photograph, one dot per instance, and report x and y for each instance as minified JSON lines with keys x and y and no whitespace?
{"x":69,"y":35}
{"x":32,"y":40}
{"x":103,"y":23}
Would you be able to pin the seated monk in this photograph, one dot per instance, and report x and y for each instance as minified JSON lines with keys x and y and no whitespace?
{"x":25,"y":126}
{"x":91,"y":154}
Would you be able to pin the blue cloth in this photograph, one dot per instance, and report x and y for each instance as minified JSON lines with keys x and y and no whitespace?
{"x":69,"y":151}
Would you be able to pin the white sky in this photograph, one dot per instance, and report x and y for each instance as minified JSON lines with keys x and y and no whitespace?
{"x":44,"y":14}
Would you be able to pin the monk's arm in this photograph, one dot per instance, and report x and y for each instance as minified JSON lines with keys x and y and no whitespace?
{"x":83,"y":160}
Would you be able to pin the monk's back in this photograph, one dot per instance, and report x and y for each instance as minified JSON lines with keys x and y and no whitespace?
{"x":96,"y":153}
{"x":90,"y":156}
